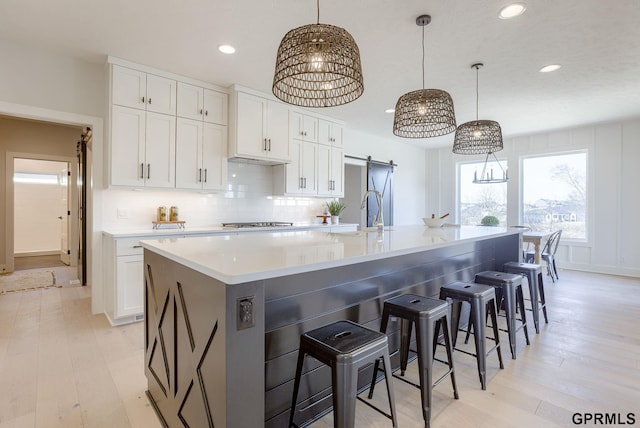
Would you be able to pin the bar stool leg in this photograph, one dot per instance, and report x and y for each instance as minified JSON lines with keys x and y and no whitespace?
{"x":388,"y":379}
{"x":405,"y":341}
{"x":520,"y":302}
{"x":535,"y":305}
{"x":425,"y":358}
{"x":510,"y":310}
{"x":345,"y":387}
{"x":296,"y":385}
{"x":494,"y":322}
{"x":477,"y":319}
{"x":376,"y":366}
{"x":449,"y":347}
{"x":542,"y":299}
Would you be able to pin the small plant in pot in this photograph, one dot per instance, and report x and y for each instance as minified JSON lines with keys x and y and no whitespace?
{"x":490,"y":220}
{"x":335,"y":209}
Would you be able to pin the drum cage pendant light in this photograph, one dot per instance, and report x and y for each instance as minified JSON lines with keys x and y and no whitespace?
{"x":478,"y":136}
{"x":427,"y":112}
{"x":318,"y":65}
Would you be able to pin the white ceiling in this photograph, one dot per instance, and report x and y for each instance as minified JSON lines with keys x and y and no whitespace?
{"x":597,"y":42}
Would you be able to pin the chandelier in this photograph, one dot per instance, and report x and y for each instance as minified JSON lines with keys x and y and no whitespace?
{"x":487,"y":176}
{"x":426,"y":112}
{"x":318,"y":65}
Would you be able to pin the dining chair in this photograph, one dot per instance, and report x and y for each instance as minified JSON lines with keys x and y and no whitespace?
{"x":549,"y":254}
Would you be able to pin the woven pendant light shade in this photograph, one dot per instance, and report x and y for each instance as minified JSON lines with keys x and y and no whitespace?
{"x":318,"y":65}
{"x":478,"y":137}
{"x":424,"y":113}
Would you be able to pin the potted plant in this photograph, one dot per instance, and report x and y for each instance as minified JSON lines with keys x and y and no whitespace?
{"x":335,"y":209}
{"x":490,"y":220}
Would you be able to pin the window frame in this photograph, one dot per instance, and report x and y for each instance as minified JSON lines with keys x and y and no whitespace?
{"x":588,"y":208}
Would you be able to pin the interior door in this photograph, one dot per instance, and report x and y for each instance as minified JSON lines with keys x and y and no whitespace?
{"x":380,"y":178}
{"x":81,"y":151}
{"x":65,"y":214}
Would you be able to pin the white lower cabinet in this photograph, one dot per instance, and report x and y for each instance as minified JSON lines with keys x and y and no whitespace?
{"x":129,"y":286}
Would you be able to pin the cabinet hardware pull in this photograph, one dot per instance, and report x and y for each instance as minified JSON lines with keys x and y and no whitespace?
{"x":200,"y":175}
{"x":149,"y":100}
{"x":148,"y":171}
{"x":137,"y":246}
{"x":206,"y":112}
{"x":200,"y":111}
{"x":269,"y":144}
{"x":142,"y":171}
{"x":300,"y":183}
{"x":265,"y":145}
{"x":142,"y":100}
{"x":305,"y":182}
{"x":205,"y":175}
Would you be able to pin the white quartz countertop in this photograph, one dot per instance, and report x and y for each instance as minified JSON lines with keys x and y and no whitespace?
{"x":210,"y":230}
{"x":234,"y":259}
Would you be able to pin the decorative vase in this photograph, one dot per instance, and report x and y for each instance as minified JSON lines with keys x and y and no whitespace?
{"x":335,"y":219}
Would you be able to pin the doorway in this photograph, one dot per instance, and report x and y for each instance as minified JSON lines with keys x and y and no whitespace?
{"x":45,"y":232}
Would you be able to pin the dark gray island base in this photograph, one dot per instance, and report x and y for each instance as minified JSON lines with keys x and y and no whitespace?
{"x":224,"y":355}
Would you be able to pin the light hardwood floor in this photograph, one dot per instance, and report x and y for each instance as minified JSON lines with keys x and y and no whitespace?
{"x":60,"y":366}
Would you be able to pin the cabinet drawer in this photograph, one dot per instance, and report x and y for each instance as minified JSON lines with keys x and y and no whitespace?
{"x":128,"y":247}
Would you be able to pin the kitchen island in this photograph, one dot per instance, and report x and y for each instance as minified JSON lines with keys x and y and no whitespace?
{"x":223,"y":314}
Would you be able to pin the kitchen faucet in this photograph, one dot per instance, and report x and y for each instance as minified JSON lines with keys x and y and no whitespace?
{"x":378,"y":221}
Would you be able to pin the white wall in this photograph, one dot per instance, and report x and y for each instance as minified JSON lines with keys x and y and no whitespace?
{"x":613,"y":198}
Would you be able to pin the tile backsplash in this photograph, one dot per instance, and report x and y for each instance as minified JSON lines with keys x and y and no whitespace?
{"x":248,"y":198}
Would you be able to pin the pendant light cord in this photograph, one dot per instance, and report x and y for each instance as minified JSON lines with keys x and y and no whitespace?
{"x":477,"y":93}
{"x":318,"y":4}
{"x":422,"y":56}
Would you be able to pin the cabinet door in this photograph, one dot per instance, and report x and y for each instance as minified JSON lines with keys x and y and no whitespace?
{"x":308,"y":168}
{"x":293,"y":173}
{"x":330,"y":133}
{"x":128,"y":87}
{"x":337,"y":172}
{"x":278,"y":131}
{"x":161,"y":95}
{"x":214,"y":157}
{"x":129,"y":286}
{"x":188,"y":152}
{"x":160,"y":150}
{"x":251,"y":126}
{"x":190,"y":101}
{"x":324,"y":170}
{"x":215,"y":107}
{"x":303,"y":127}
{"x":127,"y":146}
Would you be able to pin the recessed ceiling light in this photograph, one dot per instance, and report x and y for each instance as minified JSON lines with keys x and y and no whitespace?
{"x":549,"y":68}
{"x":390,"y":110}
{"x":512,"y":10}
{"x":226,"y":49}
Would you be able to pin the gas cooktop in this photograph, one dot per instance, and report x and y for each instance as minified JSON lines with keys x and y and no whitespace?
{"x":257,"y":224}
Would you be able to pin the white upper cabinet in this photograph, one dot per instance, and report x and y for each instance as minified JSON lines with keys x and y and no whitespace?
{"x":330,"y":171}
{"x":260,"y":129}
{"x":303,"y":127}
{"x":330,"y":133}
{"x":140,"y":90}
{"x":204,"y":104}
{"x":142,"y":148}
{"x":201,"y":155}
{"x":301,"y":174}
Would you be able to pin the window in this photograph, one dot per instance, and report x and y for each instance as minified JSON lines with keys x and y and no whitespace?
{"x":479,"y":200}
{"x":554,"y":193}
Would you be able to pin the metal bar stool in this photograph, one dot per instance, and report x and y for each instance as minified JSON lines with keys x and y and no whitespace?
{"x":481,"y":298}
{"x":509,"y":287}
{"x":345,"y":347}
{"x":427,"y":314}
{"x":533,"y":273}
